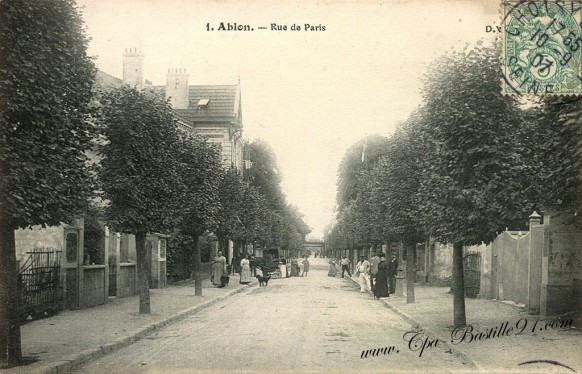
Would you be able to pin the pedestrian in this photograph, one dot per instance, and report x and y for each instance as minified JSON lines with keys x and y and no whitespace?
{"x":374,"y":269}
{"x":392,"y":270}
{"x":283,"y":268}
{"x":218,"y":269}
{"x":294,"y":267}
{"x":332,"y":268}
{"x":381,"y":288}
{"x":345,"y":266}
{"x":245,"y":272}
{"x":363,"y":273}
{"x":305,"y":267}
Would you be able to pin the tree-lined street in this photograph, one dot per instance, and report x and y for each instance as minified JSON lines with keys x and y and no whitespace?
{"x":315,"y":323}
{"x":117,"y":189}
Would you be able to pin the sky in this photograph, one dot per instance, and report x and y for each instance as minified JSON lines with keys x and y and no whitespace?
{"x":309,"y":94}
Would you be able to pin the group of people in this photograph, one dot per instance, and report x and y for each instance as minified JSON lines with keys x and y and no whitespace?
{"x":219,"y":269}
{"x":376,"y":275}
{"x":293,"y":267}
{"x":345,"y":267}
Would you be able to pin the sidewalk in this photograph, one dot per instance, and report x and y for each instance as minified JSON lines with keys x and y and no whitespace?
{"x":73,"y":337}
{"x":504,"y":349}
{"x":55,"y":344}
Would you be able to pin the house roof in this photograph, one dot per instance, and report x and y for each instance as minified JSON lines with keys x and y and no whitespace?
{"x":219,"y":103}
{"x":104,"y":80}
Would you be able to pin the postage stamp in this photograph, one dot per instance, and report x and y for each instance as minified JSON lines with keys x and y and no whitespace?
{"x":542,"y":47}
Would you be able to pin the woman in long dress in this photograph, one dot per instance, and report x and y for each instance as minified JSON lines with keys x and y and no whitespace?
{"x":245,"y":273}
{"x":332,"y":269}
{"x":381,"y":286}
{"x":218,"y":269}
{"x":294,"y":267}
{"x":283,"y":268}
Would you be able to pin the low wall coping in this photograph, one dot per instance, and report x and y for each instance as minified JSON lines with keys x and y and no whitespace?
{"x":93,"y":267}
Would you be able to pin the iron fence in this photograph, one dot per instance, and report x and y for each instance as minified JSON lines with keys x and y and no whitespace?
{"x":41,"y":293}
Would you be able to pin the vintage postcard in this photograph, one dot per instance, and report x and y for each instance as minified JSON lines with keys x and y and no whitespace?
{"x":375,"y":186}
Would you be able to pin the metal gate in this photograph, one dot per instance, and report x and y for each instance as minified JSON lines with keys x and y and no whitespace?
{"x":41,"y":293}
{"x":472,"y":274}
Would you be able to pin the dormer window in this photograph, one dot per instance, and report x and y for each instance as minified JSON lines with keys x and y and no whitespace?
{"x":203,"y":102}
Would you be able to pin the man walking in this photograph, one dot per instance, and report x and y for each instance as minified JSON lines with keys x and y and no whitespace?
{"x":363,"y":270}
{"x":392,"y":270}
{"x":374,"y":269}
{"x":345,"y":266}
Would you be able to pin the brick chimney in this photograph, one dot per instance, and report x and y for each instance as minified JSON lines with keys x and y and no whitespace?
{"x":177,"y":88}
{"x":133,"y":68}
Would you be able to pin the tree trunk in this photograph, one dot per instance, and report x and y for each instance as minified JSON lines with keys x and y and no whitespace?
{"x":197,"y":266}
{"x":143,"y":272}
{"x":458,"y":286}
{"x":10,"y":349}
{"x":410,"y":273}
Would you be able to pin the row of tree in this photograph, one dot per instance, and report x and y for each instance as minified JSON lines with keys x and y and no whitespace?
{"x":250,"y":208}
{"x":157,"y":178}
{"x":66,"y":148}
{"x":463,"y":167}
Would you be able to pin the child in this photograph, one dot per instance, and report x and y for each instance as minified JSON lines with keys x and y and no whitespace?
{"x":305,"y":267}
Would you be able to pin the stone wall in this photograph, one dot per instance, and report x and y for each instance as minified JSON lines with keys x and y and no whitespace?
{"x":93,"y":288}
{"x":561,"y":263}
{"x":442,"y":264}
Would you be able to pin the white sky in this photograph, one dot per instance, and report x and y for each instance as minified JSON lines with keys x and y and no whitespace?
{"x":310,"y":95}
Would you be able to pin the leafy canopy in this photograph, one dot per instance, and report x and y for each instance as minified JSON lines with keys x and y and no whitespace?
{"x":46,"y":78}
{"x":201,"y":172}
{"x":140,"y":166}
{"x":476,"y":181}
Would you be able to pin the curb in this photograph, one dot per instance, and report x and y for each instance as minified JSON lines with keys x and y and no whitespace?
{"x":68,"y":363}
{"x":431,"y":334}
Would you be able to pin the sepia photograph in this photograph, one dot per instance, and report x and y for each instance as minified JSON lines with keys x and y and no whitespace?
{"x":261,"y":186}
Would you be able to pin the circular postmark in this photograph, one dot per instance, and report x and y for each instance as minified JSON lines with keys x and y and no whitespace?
{"x":542,"y":47}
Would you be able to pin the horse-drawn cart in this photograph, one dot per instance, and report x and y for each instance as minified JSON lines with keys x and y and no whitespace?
{"x":268,"y":268}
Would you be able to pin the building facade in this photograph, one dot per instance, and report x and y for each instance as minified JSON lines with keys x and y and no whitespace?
{"x":212,"y":111}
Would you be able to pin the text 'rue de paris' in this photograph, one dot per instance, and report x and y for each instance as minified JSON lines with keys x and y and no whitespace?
{"x":234,"y":26}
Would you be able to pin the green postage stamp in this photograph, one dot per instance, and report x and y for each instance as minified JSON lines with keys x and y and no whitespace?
{"x":542,"y":47}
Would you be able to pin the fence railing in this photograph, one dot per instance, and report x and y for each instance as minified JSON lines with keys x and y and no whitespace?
{"x":39,"y":280}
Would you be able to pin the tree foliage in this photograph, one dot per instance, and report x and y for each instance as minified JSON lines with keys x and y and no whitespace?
{"x":140,"y":168}
{"x":231,"y":198}
{"x":399,"y":174}
{"x":254,"y":216}
{"x":476,"y":181}
{"x":560,"y":152}
{"x":466,"y":165}
{"x":361,"y":156}
{"x":46,"y":80}
{"x":294,"y":229}
{"x":265,"y":175}
{"x":141,"y":172}
{"x":201,"y":173}
{"x":277,"y":224}
{"x":45,"y":87}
